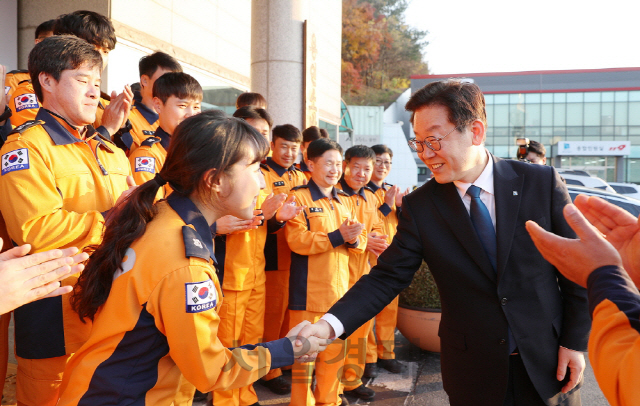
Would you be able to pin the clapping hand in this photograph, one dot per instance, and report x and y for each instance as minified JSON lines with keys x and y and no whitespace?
{"x":272,"y":204}
{"x":350,"y":230}
{"x":289,"y":210}
{"x":376,"y":244}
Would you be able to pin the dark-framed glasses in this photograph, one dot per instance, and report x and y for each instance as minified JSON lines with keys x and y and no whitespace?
{"x":433,"y":143}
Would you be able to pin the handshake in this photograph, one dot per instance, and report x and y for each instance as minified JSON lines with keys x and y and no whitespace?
{"x":310,"y":339}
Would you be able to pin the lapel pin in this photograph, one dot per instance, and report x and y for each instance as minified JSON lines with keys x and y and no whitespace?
{"x":515,"y":193}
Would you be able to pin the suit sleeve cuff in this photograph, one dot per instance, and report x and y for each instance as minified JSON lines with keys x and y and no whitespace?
{"x":338,"y":328}
{"x":336,"y":238}
{"x":385,"y":209}
{"x":281,"y":352}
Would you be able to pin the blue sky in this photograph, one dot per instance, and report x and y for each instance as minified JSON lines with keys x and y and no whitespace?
{"x":503,"y":36}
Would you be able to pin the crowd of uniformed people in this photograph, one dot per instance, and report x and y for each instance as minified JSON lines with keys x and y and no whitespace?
{"x":211,"y":238}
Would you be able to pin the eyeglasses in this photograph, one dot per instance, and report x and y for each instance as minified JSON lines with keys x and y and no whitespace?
{"x":433,"y":143}
{"x":383,"y":163}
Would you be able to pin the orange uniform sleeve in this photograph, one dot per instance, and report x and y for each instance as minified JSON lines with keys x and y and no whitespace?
{"x":144,"y":164}
{"x":192,"y":335}
{"x":23,"y":104}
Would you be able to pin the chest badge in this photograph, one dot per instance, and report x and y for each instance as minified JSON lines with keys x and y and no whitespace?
{"x":316,"y":210}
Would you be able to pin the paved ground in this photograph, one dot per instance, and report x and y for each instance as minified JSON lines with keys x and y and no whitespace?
{"x":420,"y":383}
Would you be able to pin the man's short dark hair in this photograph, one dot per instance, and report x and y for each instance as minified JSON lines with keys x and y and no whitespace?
{"x":320,"y":146}
{"x":537,"y":148}
{"x":464,"y":101}
{"x":149,"y":64}
{"x":92,"y":27}
{"x":287,"y":132}
{"x":178,"y":84}
{"x":59,"y":53}
{"x":324,"y":133}
{"x":359,"y":151}
{"x":251,"y":99}
{"x":45,"y":27}
{"x":380,"y":149}
{"x":253,"y":113}
{"x":311,"y":134}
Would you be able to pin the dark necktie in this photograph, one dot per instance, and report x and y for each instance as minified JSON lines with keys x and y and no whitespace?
{"x":481,"y":220}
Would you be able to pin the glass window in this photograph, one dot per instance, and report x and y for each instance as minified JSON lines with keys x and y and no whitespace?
{"x":559,"y":97}
{"x":621,"y":130}
{"x":634,"y":96}
{"x":621,"y":96}
{"x":488,"y":98}
{"x":621,"y":113}
{"x":607,"y":130}
{"x":607,"y":96}
{"x":546,"y":131}
{"x":532,"y":115}
{"x":559,"y":115}
{"x":489,"y":109}
{"x":591,"y":137}
{"x":592,"y":131}
{"x":532,"y":98}
{"x":574,"y":113}
{"x":634,"y":131}
{"x":545,"y":140}
{"x":574,"y":130}
{"x":501,"y":99}
{"x":634,"y":113}
{"x":516,"y":98}
{"x":607,"y":113}
{"x":532,"y":132}
{"x":501,"y":131}
{"x":547,"y":98}
{"x":633,"y":170}
{"x":591,"y":97}
{"x":546,"y":114}
{"x":559,"y":131}
{"x":575,"y":97}
{"x":501,"y":115}
{"x":592,"y":114}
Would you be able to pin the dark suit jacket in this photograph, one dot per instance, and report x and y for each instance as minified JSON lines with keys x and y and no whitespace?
{"x":543,"y":309}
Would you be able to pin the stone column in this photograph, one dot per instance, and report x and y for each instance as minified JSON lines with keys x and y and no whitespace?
{"x":277,"y":70}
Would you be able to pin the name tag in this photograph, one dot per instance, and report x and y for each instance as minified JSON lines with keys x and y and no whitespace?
{"x":316,"y":210}
{"x":278,"y":184}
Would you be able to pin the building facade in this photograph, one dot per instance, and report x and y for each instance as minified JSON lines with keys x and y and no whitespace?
{"x":587,"y":119}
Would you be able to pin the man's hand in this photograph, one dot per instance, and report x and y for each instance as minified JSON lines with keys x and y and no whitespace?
{"x":574,"y":360}
{"x":399,"y":197}
{"x":25,"y":278}
{"x":117,"y":112}
{"x":271,"y":204}
{"x":376,"y":244}
{"x":390,"y":195}
{"x":575,"y":259}
{"x":233,"y":225}
{"x":619,"y":227}
{"x":350,"y":230}
{"x":320,"y":332}
{"x":306,"y":349}
{"x":289,"y":210}
{"x":123,"y":197}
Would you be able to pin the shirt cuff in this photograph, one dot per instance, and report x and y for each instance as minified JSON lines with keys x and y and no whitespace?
{"x":338,"y":328}
{"x":336,"y":238}
{"x":281,"y":352}
{"x":385,"y":209}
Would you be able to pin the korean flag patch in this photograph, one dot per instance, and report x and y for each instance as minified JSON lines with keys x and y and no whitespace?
{"x":145,"y":164}
{"x":26,"y":101}
{"x":16,"y":160}
{"x":201,"y":296}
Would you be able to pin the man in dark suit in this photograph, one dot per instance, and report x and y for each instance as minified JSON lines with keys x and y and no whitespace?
{"x":513,"y":328}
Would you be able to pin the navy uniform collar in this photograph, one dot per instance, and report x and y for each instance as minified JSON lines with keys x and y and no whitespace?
{"x":190,"y":214}
{"x":148,"y":114}
{"x":374,"y":187}
{"x":304,"y":167}
{"x":347,"y":189}
{"x":277,"y":168}
{"x":316,"y":194}
{"x":60,"y":135}
{"x":165,"y":138}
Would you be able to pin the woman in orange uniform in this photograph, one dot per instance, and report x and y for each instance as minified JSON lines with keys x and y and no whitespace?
{"x":151,"y":286}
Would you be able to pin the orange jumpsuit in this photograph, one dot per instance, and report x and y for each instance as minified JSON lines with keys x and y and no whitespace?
{"x":366,"y":209}
{"x":148,"y":160}
{"x":614,"y":342}
{"x":278,"y":258}
{"x":319,"y":277}
{"x":161,"y":321}
{"x":144,"y":123}
{"x":58,"y":189}
{"x":381,"y":340}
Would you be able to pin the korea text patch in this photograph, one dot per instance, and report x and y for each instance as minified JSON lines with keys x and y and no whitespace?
{"x":145,"y":164}
{"x":15,"y":160}
{"x":201,"y":296}
{"x":26,"y":101}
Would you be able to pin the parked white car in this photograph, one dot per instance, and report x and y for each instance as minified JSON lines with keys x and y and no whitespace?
{"x":580,"y":178}
{"x":629,"y":204}
{"x":627,"y":189}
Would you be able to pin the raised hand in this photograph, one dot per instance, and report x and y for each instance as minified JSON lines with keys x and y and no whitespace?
{"x":390,"y":195}
{"x":116,"y":113}
{"x":289,"y":209}
{"x":376,"y":244}
{"x":271,"y":204}
{"x":399,"y":197}
{"x":350,"y":230}
{"x":231,"y":225}
{"x":25,"y":278}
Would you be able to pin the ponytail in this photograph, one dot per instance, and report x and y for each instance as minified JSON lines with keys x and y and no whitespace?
{"x":125,"y":224}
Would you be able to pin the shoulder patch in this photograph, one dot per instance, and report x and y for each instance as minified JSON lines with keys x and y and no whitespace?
{"x":300,"y":187}
{"x":26,"y":101}
{"x":25,"y":126}
{"x":193,"y":245}
{"x":145,"y":164}
{"x":15,"y":160}
{"x":150,"y":141}
{"x":200,"y":296}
